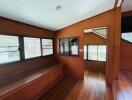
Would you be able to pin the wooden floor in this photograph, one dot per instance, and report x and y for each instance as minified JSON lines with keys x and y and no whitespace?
{"x":92,"y":88}
{"x":123,"y":87}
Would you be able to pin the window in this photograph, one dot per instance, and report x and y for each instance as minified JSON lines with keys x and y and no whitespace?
{"x":95,"y":52}
{"x":47,"y":47}
{"x":32,"y":47}
{"x":73,"y":46}
{"x":127,"y":36}
{"x":64,"y":46}
{"x":92,"y":52}
{"x":69,"y":46}
{"x":102,"y":53}
{"x":9,"y":49}
{"x":19,"y":48}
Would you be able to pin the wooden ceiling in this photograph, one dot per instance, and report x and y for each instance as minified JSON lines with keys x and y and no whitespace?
{"x":127,"y":6}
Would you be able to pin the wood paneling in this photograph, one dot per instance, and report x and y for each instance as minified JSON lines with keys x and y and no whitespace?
{"x":117,"y":42}
{"x":17,"y":28}
{"x":92,"y":88}
{"x":8,"y":72}
{"x":126,"y":56}
{"x":96,"y":66}
{"x":75,"y":65}
{"x":31,"y":87}
{"x":11,"y":72}
{"x":92,"y":38}
{"x":122,"y":88}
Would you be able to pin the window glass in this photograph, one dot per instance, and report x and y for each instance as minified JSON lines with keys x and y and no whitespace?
{"x":64,"y":43}
{"x":92,"y":52}
{"x":47,"y":47}
{"x":127,"y":36}
{"x":9,"y":49}
{"x":32,"y":47}
{"x":95,"y":52}
{"x":101,"y":53}
{"x":69,"y":46}
{"x":73,"y":46}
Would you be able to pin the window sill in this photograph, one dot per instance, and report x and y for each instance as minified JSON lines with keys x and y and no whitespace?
{"x":95,"y":61}
{"x":14,"y":62}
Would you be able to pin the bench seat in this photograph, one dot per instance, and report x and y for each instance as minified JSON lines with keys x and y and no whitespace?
{"x":30,"y":87}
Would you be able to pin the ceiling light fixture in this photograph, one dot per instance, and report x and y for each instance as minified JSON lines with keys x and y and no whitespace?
{"x":59,"y":7}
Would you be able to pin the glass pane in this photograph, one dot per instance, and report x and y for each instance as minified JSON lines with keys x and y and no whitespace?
{"x":127,"y":36}
{"x":32,"y":47}
{"x":47,"y":45}
{"x":102,"y":53}
{"x":92,"y":52}
{"x":9,"y":49}
{"x":9,"y":56}
{"x":73,"y":46}
{"x":8,"y":40}
{"x":85,"y":52}
{"x":64,"y":46}
{"x":47,"y":52}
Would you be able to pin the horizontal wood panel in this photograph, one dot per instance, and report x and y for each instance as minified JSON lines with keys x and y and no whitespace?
{"x":92,"y":38}
{"x":96,"y":66}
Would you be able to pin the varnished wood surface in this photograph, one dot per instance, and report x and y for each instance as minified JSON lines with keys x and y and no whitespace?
{"x":75,"y":65}
{"x":123,"y":87}
{"x":93,"y":87}
{"x":126,"y":56}
{"x":30,"y":86}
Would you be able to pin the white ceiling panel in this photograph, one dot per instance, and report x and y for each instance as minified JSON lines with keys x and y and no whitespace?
{"x":43,"y":13}
{"x":127,"y":5}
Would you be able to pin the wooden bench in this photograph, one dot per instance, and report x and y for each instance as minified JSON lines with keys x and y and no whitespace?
{"x":32,"y":86}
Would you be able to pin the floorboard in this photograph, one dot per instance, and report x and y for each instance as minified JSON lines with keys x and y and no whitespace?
{"x":93,"y":87}
{"x":123,"y":87}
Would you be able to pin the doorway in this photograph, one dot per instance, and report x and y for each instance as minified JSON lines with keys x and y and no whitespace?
{"x":95,"y":51}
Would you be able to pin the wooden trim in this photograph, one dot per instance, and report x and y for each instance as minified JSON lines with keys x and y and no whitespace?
{"x":116,"y":3}
{"x":128,"y":13}
{"x":126,"y":41}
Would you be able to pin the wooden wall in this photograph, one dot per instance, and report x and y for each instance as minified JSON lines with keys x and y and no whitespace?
{"x":126,"y":56}
{"x":75,"y":65}
{"x":96,"y":66}
{"x":94,"y":39}
{"x":9,"y":71}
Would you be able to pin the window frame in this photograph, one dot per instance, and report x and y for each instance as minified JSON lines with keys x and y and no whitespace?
{"x":69,"y":54}
{"x":24,"y":47}
{"x":42,"y":47}
{"x":97,"y":52}
{"x":21,"y":47}
{"x":18,"y":50}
